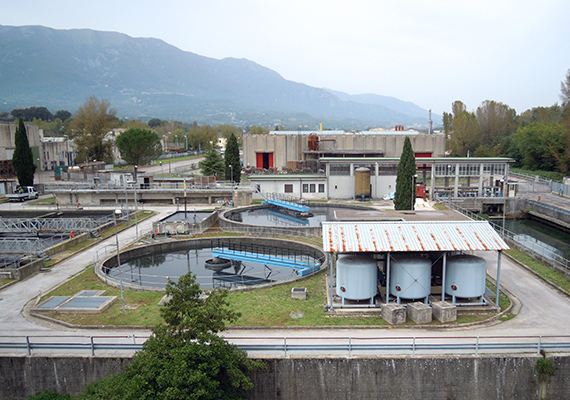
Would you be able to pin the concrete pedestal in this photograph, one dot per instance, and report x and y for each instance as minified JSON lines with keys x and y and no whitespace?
{"x":444,"y":312}
{"x":420,"y":313}
{"x":299,"y":293}
{"x":393,"y":313}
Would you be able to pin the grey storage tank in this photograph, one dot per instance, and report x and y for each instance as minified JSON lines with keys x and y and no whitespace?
{"x":356,"y":277}
{"x":410,"y":277}
{"x":465,"y":277}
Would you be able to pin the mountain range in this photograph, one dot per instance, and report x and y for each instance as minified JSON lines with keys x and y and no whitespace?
{"x":148,"y":78}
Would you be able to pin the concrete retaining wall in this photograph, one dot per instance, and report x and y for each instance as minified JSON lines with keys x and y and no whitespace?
{"x":450,"y":378}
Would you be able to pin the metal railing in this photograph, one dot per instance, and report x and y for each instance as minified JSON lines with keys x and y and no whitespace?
{"x":285,"y":346}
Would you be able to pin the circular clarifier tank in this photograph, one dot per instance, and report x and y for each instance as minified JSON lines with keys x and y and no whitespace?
{"x":150,"y":267}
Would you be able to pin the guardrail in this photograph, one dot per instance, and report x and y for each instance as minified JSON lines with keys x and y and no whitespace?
{"x":284,"y":346}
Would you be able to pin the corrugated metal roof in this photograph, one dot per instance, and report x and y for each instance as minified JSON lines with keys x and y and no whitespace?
{"x":343,"y":237}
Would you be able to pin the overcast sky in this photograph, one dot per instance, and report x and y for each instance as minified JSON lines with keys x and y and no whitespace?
{"x":429,"y":52}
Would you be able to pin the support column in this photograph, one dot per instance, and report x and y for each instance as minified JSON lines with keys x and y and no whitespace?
{"x":443,"y":272}
{"x":432,"y":181}
{"x":498,"y":280}
{"x":480,"y":188}
{"x":456,"y":183}
{"x":387,"y":277}
{"x":332,"y":268}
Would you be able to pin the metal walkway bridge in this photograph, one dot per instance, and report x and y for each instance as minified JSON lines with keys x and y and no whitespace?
{"x":303,"y":264}
{"x":288,"y":205}
{"x":286,"y":201}
{"x":35,"y":225}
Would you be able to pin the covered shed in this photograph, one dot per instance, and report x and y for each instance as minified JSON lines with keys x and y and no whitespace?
{"x":419,"y":237}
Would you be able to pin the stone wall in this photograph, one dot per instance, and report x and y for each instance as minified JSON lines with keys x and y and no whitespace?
{"x":404,"y":377}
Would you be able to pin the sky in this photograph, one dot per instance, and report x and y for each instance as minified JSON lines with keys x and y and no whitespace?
{"x":430,"y":53}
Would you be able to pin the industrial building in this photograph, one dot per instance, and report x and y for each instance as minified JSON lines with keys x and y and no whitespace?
{"x":300,"y":150}
{"x":372,"y":178}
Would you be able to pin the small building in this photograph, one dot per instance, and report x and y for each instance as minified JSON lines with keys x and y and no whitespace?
{"x":306,"y":187}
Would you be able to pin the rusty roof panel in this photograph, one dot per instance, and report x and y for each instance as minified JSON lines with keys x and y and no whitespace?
{"x":414,"y":236}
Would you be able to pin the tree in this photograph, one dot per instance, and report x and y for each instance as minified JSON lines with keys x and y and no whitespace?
{"x":62,"y":115}
{"x":94,"y":119}
{"x":565,"y":89}
{"x":496,"y":120}
{"x":233,"y":165}
{"x":464,"y":131}
{"x":185,"y":358}
{"x":31,"y":113}
{"x":139,"y":146}
{"x":154,"y":122}
{"x":541,"y":147}
{"x":405,"y":191}
{"x":23,"y":159}
{"x":257,"y":130}
{"x":213,"y":163}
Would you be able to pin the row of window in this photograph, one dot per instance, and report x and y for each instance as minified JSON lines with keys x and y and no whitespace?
{"x":307,"y":188}
{"x":470,"y":169}
{"x":383,"y":169}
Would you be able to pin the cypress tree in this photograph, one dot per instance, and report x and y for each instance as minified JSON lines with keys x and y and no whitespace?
{"x":23,"y":159}
{"x":405,"y":196}
{"x":232,"y":158}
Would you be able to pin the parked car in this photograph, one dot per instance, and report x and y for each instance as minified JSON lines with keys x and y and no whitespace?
{"x":23,"y":193}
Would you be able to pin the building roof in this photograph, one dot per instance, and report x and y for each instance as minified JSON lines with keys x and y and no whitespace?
{"x":402,"y":236}
{"x":277,"y":177}
{"x":420,"y":160}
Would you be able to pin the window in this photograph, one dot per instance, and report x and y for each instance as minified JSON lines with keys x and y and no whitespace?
{"x":321,"y":187}
{"x":340,"y":169}
{"x":305,"y":188}
{"x":288,"y":188}
{"x":313,"y":188}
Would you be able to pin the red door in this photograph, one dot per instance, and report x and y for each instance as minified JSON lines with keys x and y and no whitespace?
{"x":259,"y":160}
{"x":270,"y":160}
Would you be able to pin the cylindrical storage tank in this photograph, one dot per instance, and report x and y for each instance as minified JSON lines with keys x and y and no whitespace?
{"x":356,"y":276}
{"x":313,"y":142}
{"x":362,"y":182}
{"x":410,"y":276}
{"x":465,"y":276}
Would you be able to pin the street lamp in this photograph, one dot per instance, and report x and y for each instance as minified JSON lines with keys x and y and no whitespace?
{"x":126,"y":198}
{"x":136,"y":208}
{"x":232,"y":174}
{"x":186,"y":138}
{"x":67,"y":150}
{"x":413,"y":190}
{"x":118,"y":212}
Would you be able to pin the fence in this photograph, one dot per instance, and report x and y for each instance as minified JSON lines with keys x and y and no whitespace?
{"x":286,"y":346}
